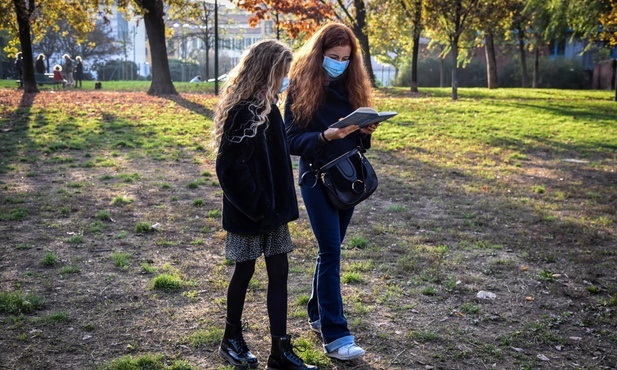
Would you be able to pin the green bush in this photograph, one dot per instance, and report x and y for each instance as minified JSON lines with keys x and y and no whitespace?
{"x":473,"y":75}
{"x":115,"y":70}
{"x":183,"y":71}
{"x":558,"y":73}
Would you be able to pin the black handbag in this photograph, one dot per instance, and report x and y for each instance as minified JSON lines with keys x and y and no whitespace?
{"x":348,"y":179}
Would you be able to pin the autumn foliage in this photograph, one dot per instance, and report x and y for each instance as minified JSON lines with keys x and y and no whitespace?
{"x":295,"y":17}
{"x":609,"y":25}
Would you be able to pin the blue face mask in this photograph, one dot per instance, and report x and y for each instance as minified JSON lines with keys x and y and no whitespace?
{"x":285,"y":84}
{"x":334,"y":67}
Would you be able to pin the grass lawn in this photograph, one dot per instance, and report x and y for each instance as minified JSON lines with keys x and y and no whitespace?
{"x":112,"y":252}
{"x":127,"y":86}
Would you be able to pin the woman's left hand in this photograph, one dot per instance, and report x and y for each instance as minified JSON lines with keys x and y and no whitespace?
{"x":369,"y":129}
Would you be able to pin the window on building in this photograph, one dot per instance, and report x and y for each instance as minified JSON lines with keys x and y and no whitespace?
{"x":269,"y":27}
{"x":557,"y":48}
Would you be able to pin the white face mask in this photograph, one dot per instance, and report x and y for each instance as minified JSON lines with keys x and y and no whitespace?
{"x":285,"y":84}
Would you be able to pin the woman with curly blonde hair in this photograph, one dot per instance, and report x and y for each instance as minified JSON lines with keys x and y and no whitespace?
{"x":259,"y":199}
{"x":327,"y":82}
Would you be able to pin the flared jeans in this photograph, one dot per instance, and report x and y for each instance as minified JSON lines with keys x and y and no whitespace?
{"x":325,"y":306}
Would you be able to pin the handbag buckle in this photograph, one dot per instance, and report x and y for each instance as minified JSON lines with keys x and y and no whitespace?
{"x":358,"y":186}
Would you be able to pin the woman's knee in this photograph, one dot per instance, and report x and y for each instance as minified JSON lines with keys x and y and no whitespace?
{"x":277,"y":267}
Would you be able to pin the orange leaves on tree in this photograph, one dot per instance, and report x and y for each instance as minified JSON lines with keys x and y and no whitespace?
{"x":295,"y":17}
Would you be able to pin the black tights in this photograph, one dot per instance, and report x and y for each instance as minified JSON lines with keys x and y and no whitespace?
{"x":278,"y":268}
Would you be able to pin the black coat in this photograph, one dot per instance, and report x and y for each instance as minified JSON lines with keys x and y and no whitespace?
{"x":79,"y":71}
{"x":256,"y":175}
{"x":39,"y":65}
{"x":305,"y":142}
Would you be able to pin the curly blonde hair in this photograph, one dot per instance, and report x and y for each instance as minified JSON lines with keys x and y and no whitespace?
{"x":256,"y":79}
{"x":309,"y":78}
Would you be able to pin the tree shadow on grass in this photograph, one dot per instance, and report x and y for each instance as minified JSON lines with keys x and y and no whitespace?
{"x":601,"y":116}
{"x":13,"y":133}
{"x":190,"y":105}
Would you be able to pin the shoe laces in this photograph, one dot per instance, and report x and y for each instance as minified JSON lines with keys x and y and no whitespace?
{"x":242,"y":346}
{"x":293,"y":349}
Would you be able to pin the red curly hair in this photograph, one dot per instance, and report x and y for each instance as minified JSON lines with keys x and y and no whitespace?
{"x":309,"y":78}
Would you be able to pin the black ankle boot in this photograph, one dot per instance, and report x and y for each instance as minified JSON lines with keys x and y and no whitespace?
{"x":234,"y":350}
{"x":282,"y":356}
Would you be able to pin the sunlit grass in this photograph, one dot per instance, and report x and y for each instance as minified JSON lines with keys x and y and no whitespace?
{"x":512,"y":119}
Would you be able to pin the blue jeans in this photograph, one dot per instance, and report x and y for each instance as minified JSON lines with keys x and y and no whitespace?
{"x":325,"y":307}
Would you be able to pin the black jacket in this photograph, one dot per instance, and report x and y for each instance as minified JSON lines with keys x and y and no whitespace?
{"x":39,"y":65}
{"x":79,"y":71}
{"x":305,"y":142}
{"x":255,"y":174}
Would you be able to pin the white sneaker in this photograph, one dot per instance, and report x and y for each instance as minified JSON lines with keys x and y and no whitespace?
{"x":346,"y":352}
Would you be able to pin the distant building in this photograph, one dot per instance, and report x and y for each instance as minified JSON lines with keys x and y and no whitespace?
{"x":187,"y":44}
{"x":131,"y":35}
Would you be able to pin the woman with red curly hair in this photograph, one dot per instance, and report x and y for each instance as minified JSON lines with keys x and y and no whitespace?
{"x":327,"y":82}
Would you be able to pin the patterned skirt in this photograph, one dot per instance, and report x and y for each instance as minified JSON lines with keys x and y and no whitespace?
{"x":242,"y":248}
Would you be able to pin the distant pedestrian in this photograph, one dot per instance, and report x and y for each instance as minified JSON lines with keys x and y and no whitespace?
{"x":19,"y":68}
{"x":79,"y":71}
{"x":39,"y":65}
{"x":58,"y":77}
{"x":196,"y":79}
{"x":68,"y":69}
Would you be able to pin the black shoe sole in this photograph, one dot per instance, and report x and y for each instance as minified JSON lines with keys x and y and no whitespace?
{"x":237,"y":364}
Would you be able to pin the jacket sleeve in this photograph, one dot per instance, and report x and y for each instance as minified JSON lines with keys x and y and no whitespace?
{"x":236,"y":171}
{"x":302,"y":142}
{"x":366,"y":141}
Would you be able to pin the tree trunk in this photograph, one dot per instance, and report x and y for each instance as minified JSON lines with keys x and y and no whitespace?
{"x":521,"y":46}
{"x":358,"y":30}
{"x":491,"y":62}
{"x":455,"y":70}
{"x":207,"y":74}
{"x":441,"y":73}
{"x":615,"y":74}
{"x":417,"y":31}
{"x":536,"y":68}
{"x":23,"y":22}
{"x":414,"y":62}
{"x":278,"y":25}
{"x":155,"y":28}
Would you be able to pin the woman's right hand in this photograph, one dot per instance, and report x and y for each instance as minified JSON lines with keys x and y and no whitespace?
{"x":339,"y":133}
